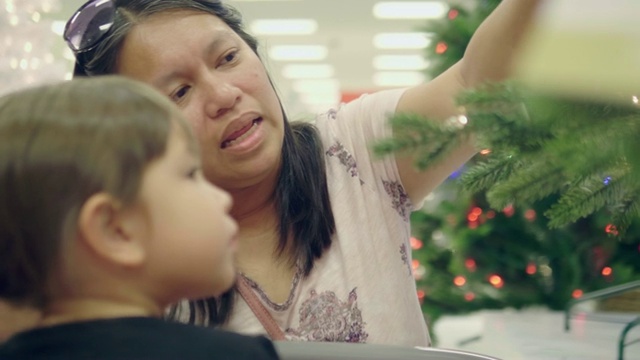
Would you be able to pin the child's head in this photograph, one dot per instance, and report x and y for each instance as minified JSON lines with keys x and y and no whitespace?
{"x":101,"y":195}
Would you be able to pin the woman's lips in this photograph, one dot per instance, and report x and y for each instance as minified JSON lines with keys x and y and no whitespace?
{"x":241,"y":134}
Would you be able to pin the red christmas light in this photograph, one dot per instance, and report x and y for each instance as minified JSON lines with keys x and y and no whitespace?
{"x":496,"y":281}
{"x":416,"y":244}
{"x":459,"y":280}
{"x":469,"y":296}
{"x":611,"y":229}
{"x":441,"y":48}
{"x":453,"y":13}
{"x":607,"y":271}
{"x":531,"y":268}
{"x":509,"y":210}
{"x":470,"y":264}
{"x":530,"y":215}
{"x":485,"y":152}
{"x":577,"y":293}
{"x":415,"y":264}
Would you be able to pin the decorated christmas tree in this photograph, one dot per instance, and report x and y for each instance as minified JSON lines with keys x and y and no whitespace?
{"x":547,"y":210}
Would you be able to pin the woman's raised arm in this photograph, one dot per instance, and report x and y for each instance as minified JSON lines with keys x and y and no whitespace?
{"x":488,"y":57}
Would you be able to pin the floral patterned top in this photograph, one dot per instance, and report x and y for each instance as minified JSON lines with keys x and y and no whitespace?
{"x":362,"y":289}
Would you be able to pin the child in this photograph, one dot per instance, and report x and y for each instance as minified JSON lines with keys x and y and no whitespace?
{"x":105,"y":221}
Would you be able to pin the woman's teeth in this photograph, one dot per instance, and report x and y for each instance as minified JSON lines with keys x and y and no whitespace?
{"x":240,"y":138}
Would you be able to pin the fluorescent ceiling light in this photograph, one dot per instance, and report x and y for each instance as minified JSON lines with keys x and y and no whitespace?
{"x":298,"y":52}
{"x":398,"y":78}
{"x":317,"y":99}
{"x":283,"y":26}
{"x":411,"y":40}
{"x":400,"y":62}
{"x":316,"y":86}
{"x":315,"y":71}
{"x":410,"y":10}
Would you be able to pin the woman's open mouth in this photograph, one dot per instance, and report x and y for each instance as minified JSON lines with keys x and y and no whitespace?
{"x":242,"y":134}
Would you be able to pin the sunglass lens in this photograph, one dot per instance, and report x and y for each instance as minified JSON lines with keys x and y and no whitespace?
{"x":89,"y":24}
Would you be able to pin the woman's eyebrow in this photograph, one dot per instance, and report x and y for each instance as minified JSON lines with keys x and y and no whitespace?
{"x":211,"y":48}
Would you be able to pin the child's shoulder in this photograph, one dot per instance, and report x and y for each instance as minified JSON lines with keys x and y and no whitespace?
{"x":143,"y":338}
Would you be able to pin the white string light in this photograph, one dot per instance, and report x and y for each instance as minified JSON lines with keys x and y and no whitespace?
{"x":28,"y":46}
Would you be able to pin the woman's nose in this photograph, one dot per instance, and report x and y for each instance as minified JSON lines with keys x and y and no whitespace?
{"x":220,"y":97}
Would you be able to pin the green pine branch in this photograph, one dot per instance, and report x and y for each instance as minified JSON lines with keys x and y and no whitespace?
{"x":531,"y":183}
{"x":540,"y":145}
{"x":488,"y":173}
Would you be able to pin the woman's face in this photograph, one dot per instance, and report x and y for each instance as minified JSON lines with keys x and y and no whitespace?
{"x":221,"y":86}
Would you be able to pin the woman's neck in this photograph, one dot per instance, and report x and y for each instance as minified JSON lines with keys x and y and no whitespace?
{"x":255,"y":210}
{"x":251,"y":201}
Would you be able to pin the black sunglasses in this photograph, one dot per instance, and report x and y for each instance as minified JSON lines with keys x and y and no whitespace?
{"x":89,"y":24}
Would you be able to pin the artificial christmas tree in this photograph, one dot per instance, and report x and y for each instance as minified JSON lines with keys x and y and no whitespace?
{"x":544,"y":213}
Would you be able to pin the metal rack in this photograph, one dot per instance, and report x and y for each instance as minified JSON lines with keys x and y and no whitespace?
{"x":294,"y":350}
{"x":603,"y":294}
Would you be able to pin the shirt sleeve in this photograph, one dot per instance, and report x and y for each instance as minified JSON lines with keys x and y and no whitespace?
{"x":354,"y":128}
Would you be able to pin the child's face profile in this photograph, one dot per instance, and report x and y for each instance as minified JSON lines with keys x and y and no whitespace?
{"x":192,"y":237}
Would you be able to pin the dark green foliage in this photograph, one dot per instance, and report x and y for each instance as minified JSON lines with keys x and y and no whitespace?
{"x":508,"y":243}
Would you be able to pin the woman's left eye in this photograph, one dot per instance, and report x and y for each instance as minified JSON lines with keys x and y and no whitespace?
{"x":230,"y":57}
{"x":180,"y":94}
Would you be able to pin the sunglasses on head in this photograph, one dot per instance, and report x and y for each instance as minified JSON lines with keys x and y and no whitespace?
{"x":89,"y":24}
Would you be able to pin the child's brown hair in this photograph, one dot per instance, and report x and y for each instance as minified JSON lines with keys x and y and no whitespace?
{"x":59,"y":145}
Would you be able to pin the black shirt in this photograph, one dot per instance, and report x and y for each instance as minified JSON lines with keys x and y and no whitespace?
{"x":134,"y":338}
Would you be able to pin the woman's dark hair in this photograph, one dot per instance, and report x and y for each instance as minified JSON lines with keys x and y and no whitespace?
{"x":302,"y":197}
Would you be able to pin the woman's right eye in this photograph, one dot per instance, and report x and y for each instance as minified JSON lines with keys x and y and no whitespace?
{"x":180,"y":93}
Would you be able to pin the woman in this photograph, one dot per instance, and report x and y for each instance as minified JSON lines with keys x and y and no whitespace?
{"x":324,"y":226}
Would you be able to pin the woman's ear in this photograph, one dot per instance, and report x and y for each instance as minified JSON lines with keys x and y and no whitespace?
{"x":111,"y":231}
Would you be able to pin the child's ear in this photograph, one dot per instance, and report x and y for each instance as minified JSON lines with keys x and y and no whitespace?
{"x":111,"y":231}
